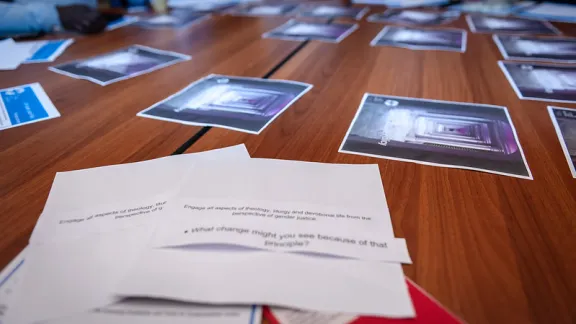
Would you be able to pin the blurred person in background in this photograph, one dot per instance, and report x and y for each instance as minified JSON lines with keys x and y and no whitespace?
{"x":36,"y":17}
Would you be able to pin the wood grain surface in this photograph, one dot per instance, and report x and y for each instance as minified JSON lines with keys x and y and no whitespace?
{"x":99,"y":126}
{"x":491,"y":248}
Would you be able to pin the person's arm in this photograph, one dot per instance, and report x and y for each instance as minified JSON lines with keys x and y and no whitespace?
{"x":33,"y":18}
{"x":25,"y":17}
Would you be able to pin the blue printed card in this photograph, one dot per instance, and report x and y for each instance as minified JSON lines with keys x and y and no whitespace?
{"x":24,"y":105}
{"x":47,"y":51}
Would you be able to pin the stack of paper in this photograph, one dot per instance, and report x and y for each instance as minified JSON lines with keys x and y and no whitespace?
{"x":14,"y":54}
{"x":212,"y":228}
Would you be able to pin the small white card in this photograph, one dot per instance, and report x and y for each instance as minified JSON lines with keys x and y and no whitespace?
{"x":13,"y":54}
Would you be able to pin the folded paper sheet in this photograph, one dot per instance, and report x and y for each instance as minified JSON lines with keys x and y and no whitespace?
{"x":133,"y":311}
{"x":285,"y":206}
{"x":326,"y":215}
{"x":72,"y":266}
{"x":268,"y":278}
{"x":105,"y":199}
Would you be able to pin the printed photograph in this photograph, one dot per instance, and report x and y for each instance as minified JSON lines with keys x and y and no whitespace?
{"x":487,"y":7}
{"x":441,"y":133}
{"x":176,"y":19}
{"x":119,"y":65}
{"x":547,"y":82}
{"x":557,"y":49}
{"x":489,"y":24}
{"x":414,"y":17}
{"x":325,"y":11}
{"x":244,"y":104}
{"x":422,"y":39}
{"x":202,"y":6}
{"x":301,"y":31}
{"x":264,"y":10}
{"x":564,"y":120}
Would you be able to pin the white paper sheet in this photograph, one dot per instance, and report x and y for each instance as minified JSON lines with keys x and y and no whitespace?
{"x":285,"y":206}
{"x":14,"y":54}
{"x":68,"y":278}
{"x":133,"y":311}
{"x":72,"y":267}
{"x":209,"y":271}
{"x":280,"y":226}
{"x":268,"y":278}
{"x":117,"y":196}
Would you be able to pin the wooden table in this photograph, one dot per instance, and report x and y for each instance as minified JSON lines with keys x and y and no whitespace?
{"x":491,"y":248}
{"x":99,"y":126}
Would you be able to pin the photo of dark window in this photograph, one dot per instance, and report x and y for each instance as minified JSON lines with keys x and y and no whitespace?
{"x":414,"y":17}
{"x":245,"y":104}
{"x":537,"y":48}
{"x":119,"y":65}
{"x":422,"y":39}
{"x":490,"y":24}
{"x":301,"y":31}
{"x":546,"y":82}
{"x":441,"y":133}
